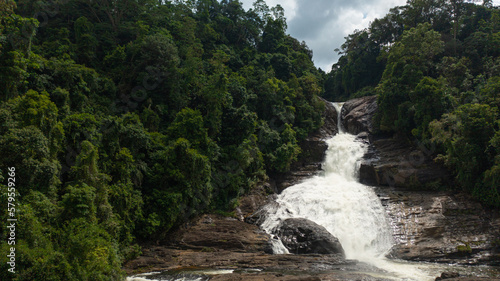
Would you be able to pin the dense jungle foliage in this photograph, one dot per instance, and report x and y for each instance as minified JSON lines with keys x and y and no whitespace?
{"x":435,"y":67}
{"x":123,"y":119}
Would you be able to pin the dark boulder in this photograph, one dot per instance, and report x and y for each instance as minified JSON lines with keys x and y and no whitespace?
{"x":448,"y":275}
{"x":302,"y":236}
{"x":357,"y":115}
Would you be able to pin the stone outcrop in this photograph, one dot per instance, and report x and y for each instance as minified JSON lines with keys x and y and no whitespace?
{"x":302,"y":236}
{"x":157,"y":258}
{"x":250,"y":205}
{"x":211,"y":232}
{"x":357,"y":115}
{"x":395,"y":163}
{"x":391,"y":161}
{"x":441,"y":227}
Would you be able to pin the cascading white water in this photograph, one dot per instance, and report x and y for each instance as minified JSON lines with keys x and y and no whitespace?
{"x":349,"y":210}
{"x":336,"y":200}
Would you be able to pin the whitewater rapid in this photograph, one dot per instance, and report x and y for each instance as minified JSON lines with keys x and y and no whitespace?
{"x":349,"y":210}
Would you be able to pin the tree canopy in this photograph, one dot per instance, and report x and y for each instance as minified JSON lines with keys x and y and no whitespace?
{"x":434,"y":66}
{"x":124,"y":119}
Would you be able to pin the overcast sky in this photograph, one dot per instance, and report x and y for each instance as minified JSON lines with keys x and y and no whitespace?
{"x":323,"y":24}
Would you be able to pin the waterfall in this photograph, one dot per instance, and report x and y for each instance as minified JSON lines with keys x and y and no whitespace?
{"x":349,"y":210}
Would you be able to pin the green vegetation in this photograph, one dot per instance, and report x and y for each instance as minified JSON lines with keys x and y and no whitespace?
{"x":435,"y":68}
{"x":464,"y":249}
{"x":124,"y":119}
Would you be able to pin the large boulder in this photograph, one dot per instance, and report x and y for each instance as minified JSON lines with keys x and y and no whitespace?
{"x":357,"y":115}
{"x":216,"y":232}
{"x":302,"y":236}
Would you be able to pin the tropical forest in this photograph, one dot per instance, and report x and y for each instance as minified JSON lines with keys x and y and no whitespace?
{"x":123,"y":122}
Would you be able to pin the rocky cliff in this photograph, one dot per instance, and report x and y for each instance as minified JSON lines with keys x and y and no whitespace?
{"x":442,"y":227}
{"x":357,"y":115}
{"x":391,"y":161}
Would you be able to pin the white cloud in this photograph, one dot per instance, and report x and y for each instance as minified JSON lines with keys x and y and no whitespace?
{"x":290,"y":6}
{"x":323,"y":24}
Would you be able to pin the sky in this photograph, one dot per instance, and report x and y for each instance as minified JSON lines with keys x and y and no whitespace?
{"x":323,"y":24}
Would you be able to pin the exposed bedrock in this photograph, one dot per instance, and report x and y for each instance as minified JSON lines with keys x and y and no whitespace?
{"x":442,"y":227}
{"x":357,"y":115}
{"x":393,"y":162}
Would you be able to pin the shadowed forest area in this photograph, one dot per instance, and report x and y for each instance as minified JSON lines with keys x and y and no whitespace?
{"x":124,"y":119}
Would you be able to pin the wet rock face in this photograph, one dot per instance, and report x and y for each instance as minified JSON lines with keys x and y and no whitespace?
{"x":302,"y":236}
{"x":441,"y":227}
{"x":357,"y":115}
{"x":395,"y":163}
